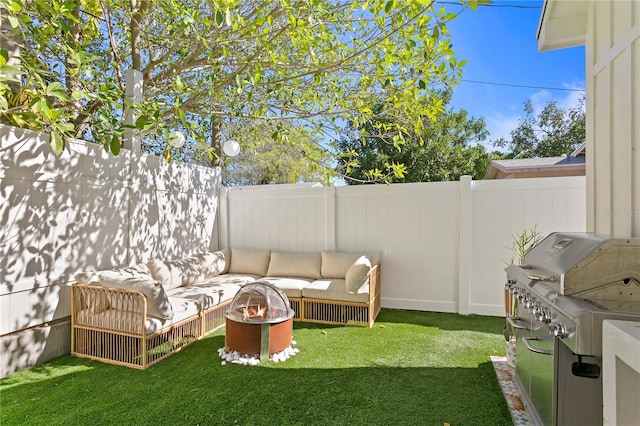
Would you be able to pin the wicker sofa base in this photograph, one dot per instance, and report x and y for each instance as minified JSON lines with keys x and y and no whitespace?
{"x":339,"y":313}
{"x":130,"y":350}
{"x":133,"y":347}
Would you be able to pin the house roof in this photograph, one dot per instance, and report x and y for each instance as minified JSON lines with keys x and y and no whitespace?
{"x":562,"y":24}
{"x":571,"y":165}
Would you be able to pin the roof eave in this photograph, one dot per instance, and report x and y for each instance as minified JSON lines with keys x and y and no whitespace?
{"x":562,"y":24}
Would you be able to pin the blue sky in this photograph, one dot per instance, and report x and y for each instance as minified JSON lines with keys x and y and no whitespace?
{"x":499,"y":43}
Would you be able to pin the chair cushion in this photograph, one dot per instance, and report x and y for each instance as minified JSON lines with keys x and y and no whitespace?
{"x":291,"y":286}
{"x":357,"y":274}
{"x":335,"y":289}
{"x":303,"y":265}
{"x":336,"y":264}
{"x":157,"y":301}
{"x":176,"y":273}
{"x":209,"y":294}
{"x":249,"y":261}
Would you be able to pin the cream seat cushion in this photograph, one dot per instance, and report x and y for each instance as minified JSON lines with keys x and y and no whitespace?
{"x":292,"y":287}
{"x":209,"y":294}
{"x":335,"y":289}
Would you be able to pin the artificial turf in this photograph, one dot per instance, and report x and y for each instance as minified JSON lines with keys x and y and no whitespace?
{"x":411,"y":368}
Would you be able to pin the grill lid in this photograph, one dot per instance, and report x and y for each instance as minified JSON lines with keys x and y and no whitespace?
{"x":588,"y":265}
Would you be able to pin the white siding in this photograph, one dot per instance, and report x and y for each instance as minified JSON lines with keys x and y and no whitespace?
{"x":613,"y":118}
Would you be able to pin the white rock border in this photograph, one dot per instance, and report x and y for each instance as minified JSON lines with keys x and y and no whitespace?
{"x":234,"y":357}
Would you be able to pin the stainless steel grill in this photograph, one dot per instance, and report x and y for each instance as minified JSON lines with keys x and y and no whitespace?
{"x":569,"y":283}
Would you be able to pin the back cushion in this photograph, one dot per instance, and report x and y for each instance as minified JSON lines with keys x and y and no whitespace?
{"x":249,"y":261}
{"x":303,"y":265}
{"x":157,"y":301}
{"x":336,"y":264}
{"x":214,"y":263}
{"x":176,"y":273}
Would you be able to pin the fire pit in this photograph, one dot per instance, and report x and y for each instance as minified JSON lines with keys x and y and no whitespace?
{"x":259,"y":320}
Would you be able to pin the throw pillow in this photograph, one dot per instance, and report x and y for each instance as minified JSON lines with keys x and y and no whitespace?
{"x":357,"y":274}
{"x":158,"y":304}
{"x":302,"y":265}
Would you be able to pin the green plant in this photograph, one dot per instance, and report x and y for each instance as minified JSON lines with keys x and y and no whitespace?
{"x":522,"y":243}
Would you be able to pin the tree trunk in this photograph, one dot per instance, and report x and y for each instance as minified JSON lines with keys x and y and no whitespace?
{"x":216,"y":130}
{"x":138,"y":8}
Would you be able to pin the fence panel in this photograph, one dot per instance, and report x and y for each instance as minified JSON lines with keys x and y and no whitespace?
{"x":416,"y":228}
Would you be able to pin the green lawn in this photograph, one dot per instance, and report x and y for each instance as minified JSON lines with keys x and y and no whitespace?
{"x":411,"y":368}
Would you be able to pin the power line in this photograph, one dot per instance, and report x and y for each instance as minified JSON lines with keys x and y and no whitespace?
{"x":511,"y":6}
{"x":523,"y":85}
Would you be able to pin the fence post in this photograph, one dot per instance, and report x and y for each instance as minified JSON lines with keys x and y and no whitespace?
{"x":464,"y":244}
{"x":223,"y":218}
{"x":330,"y":218}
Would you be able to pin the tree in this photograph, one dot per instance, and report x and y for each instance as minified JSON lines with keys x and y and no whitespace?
{"x":442,"y":151}
{"x":205,"y":63}
{"x":261,"y":162}
{"x":553,"y":132}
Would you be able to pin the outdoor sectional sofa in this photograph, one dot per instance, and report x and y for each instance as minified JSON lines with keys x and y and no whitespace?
{"x":138,"y":315}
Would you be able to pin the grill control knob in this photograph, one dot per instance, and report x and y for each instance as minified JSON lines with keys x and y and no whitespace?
{"x":535,"y":310}
{"x":543,"y":316}
{"x":558,"y":330}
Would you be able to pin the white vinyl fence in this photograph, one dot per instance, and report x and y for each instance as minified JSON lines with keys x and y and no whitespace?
{"x":443,"y":244}
{"x":84,"y":210}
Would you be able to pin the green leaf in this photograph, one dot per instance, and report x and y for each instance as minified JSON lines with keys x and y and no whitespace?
{"x":219,"y":18}
{"x":115,"y":145}
{"x":227,"y":17}
{"x":16,"y":6}
{"x":4,"y":56}
{"x":167,"y":153}
{"x":13,"y":21}
{"x":56,"y":140}
{"x":10,"y":69}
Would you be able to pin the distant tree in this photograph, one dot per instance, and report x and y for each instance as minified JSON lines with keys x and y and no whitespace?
{"x":296,"y":158}
{"x":442,"y":151}
{"x":553,"y":132}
